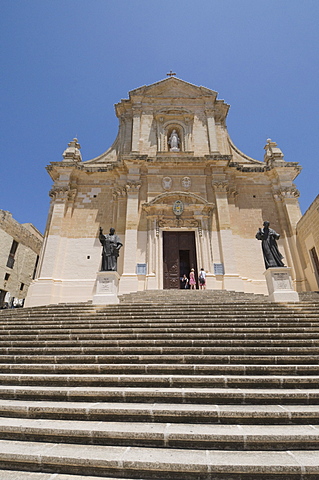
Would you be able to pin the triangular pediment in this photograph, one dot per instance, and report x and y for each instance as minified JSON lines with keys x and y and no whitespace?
{"x":172,"y":87}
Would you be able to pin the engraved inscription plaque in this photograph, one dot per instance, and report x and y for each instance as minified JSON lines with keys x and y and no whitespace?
{"x":281,"y":281}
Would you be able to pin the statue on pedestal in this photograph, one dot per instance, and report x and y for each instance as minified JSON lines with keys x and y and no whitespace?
{"x":174,"y":142}
{"x":268,"y":237}
{"x":111,"y":246}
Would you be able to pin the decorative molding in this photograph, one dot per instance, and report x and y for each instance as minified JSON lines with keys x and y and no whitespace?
{"x":220,"y":186}
{"x":133,"y":186}
{"x":233,"y":192}
{"x":118,"y":192}
{"x":59,"y":192}
{"x":72,"y":194}
{"x":249,"y":168}
{"x":165,"y":222}
{"x":290,"y":192}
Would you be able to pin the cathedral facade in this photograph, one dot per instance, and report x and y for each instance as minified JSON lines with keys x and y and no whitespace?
{"x":179,"y":194}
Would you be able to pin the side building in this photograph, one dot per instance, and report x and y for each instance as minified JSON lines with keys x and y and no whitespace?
{"x":20,"y":246}
{"x":179,"y":194}
{"x":308,"y":244}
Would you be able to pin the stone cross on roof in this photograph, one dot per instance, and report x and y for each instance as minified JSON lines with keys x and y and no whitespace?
{"x":170,"y":74}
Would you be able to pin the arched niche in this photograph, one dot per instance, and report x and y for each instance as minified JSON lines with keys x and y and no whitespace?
{"x":182,"y":122}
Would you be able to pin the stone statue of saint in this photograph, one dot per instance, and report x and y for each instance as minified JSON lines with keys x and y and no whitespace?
{"x":174,"y":141}
{"x":268,"y":237}
{"x":111,"y":245}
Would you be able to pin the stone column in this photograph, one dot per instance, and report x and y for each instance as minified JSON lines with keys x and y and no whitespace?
{"x":129,"y":281}
{"x":232,"y":281}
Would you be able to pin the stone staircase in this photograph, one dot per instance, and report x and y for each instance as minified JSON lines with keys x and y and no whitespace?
{"x":179,"y":385}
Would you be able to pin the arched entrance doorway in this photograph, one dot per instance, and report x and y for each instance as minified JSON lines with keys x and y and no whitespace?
{"x":179,"y":256}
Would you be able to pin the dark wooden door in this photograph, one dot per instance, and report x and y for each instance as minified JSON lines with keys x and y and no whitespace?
{"x":179,"y":256}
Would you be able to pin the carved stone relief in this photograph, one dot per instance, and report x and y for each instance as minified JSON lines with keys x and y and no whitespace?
{"x":186,"y":183}
{"x":166,"y":183}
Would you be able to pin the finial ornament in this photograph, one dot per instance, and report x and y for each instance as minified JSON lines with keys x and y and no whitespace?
{"x":171,"y":74}
{"x":73,"y":151}
{"x":273,"y":153}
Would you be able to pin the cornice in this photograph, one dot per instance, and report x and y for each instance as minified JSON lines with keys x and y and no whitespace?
{"x":249,"y":167}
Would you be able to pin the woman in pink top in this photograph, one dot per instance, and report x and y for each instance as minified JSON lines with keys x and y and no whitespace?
{"x":192,"y":281}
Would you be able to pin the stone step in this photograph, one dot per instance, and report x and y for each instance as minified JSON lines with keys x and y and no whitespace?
{"x":162,"y":412}
{"x":22,"y":475}
{"x":158,"y":321}
{"x":161,"y":306}
{"x":160,"y":369}
{"x":164,"y":331}
{"x":117,"y":359}
{"x":182,"y":293}
{"x":183,"y":374}
{"x":158,"y":463}
{"x":161,"y":351}
{"x":113,"y":340}
{"x":205,"y":343}
{"x":167,"y":304}
{"x":162,"y":435}
{"x":164,"y":380}
{"x":205,"y":395}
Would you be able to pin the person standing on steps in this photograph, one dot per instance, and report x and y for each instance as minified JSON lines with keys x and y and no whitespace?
{"x":202,"y":279}
{"x":184,"y":281}
{"x":192,"y":280}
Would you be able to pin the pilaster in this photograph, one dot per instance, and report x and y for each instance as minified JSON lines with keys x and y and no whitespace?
{"x":232,"y":281}
{"x":136,"y":129}
{"x":129,"y":280}
{"x":288,"y":205}
{"x":212,"y":137}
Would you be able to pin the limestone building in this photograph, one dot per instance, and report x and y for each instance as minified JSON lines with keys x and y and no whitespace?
{"x":308,"y":243}
{"x":20,"y":247}
{"x":180,"y":195}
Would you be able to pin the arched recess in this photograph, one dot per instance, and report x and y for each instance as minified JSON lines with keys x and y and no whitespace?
{"x":181,"y":121}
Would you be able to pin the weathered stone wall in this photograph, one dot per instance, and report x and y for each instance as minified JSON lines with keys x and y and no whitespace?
{"x":308,"y":238}
{"x":29,"y":241}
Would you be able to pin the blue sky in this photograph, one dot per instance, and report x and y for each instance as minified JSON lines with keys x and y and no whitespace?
{"x":65,"y":63}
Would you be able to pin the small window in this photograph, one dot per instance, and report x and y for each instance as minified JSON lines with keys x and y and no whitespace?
{"x":7,"y":276}
{"x":12,"y":253}
{"x":35,"y":267}
{"x":21,"y":286}
{"x":315,"y":261}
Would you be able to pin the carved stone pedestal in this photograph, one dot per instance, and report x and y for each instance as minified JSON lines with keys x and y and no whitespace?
{"x":279,"y":285}
{"x":106,"y":288}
